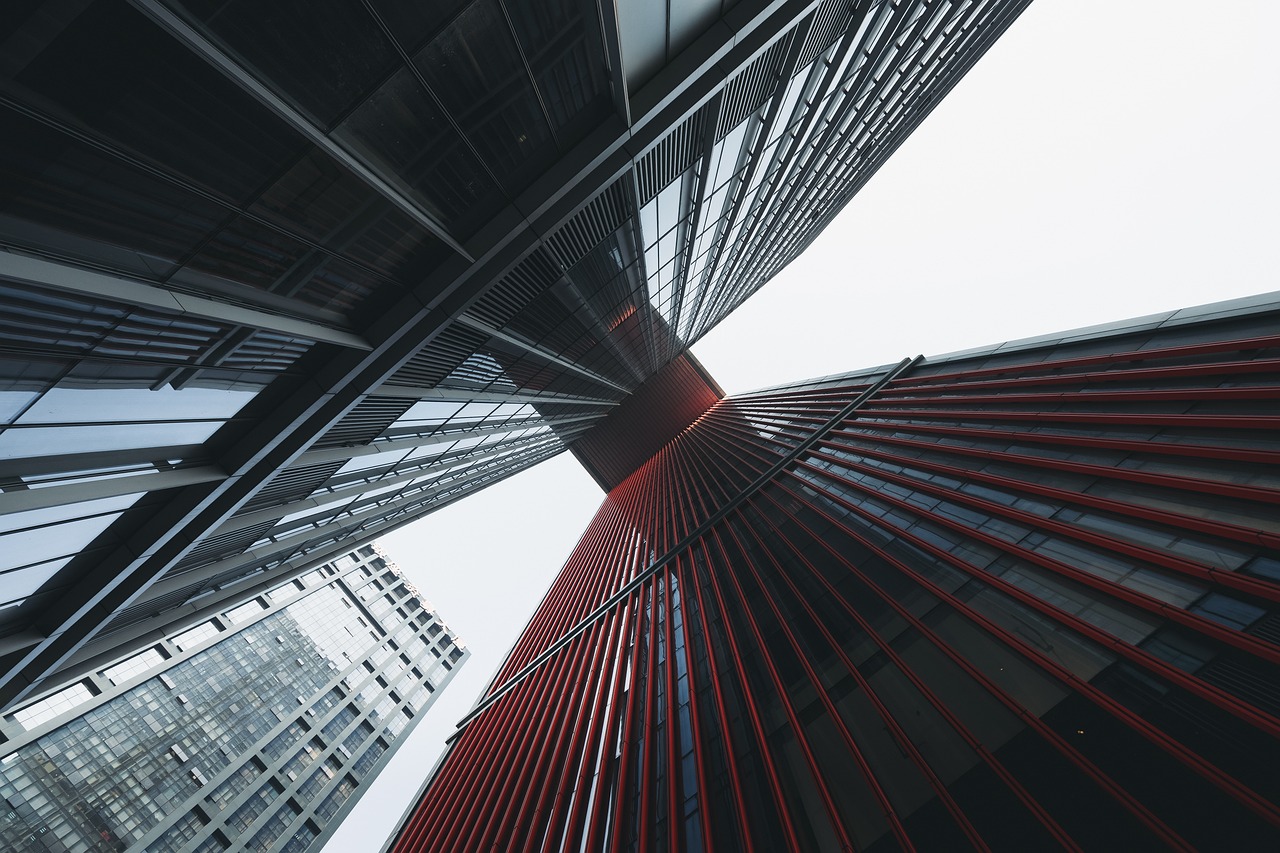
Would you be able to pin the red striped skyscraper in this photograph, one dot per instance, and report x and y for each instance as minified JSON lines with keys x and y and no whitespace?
{"x":1017,"y":598}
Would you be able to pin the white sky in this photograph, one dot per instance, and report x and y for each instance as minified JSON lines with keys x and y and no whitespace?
{"x":1105,"y":159}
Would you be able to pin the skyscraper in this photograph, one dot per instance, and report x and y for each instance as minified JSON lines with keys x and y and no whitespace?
{"x":1017,"y":598}
{"x":277,"y":280}
{"x":258,"y":727}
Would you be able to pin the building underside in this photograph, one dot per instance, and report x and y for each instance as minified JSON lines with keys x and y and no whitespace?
{"x":276,"y":281}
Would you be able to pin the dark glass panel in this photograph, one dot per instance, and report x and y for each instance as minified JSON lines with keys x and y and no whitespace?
{"x":402,"y":132}
{"x":16,"y":15}
{"x":247,"y":252}
{"x":324,"y":55}
{"x":397,"y":246}
{"x":561,"y":41}
{"x":61,"y":196}
{"x":315,"y":198}
{"x":411,"y":21}
{"x":475,"y":69}
{"x":323,"y":201}
{"x":338,"y":286}
{"x":1229,"y":610}
{"x":1072,"y":795}
{"x":1205,"y":815}
{"x":116,"y":73}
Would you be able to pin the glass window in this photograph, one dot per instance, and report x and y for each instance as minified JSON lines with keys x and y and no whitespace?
{"x":1179,"y":648}
{"x":46,"y":709}
{"x":17,"y":585}
{"x":1266,"y":567}
{"x":245,"y":611}
{"x":134,"y":666}
{"x":402,"y":133}
{"x":41,"y":535}
{"x":1229,"y":611}
{"x":13,"y":402}
{"x":88,"y":405}
{"x":54,"y":441}
{"x":643,"y":27}
{"x":1168,"y":588}
{"x":285,"y":592}
{"x":433,"y":411}
{"x":190,"y":639}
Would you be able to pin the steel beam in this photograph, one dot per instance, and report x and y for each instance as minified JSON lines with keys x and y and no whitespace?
{"x":463,"y":395}
{"x":65,"y":494}
{"x":28,"y":270}
{"x":536,"y":350}
{"x":238,"y":74}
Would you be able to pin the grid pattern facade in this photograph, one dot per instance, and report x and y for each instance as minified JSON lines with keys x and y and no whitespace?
{"x":1021,"y":598}
{"x":277,"y":281}
{"x":256,"y":729}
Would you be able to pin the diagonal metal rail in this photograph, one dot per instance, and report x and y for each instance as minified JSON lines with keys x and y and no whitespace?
{"x":687,"y":542}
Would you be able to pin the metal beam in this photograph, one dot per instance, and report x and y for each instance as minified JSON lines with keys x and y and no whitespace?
{"x":218,"y":58}
{"x":334,"y":454}
{"x":355,"y":489}
{"x":613,"y":55}
{"x":88,"y":657}
{"x":535,"y":350}
{"x":64,"y":463}
{"x":24,"y":269}
{"x":64,"y":494}
{"x":463,"y":395}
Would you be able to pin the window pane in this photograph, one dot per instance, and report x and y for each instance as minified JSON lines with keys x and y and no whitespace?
{"x":476,"y":71}
{"x":116,"y":72}
{"x":54,"y":532}
{"x":322,"y":54}
{"x":52,"y":441}
{"x":86,"y":405}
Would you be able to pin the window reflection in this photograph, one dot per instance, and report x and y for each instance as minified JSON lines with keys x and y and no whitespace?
{"x":41,"y":535}
{"x":53,"y":441}
{"x":79,"y":420}
{"x":88,"y":405}
{"x":12,"y":403}
{"x":19,"y":584}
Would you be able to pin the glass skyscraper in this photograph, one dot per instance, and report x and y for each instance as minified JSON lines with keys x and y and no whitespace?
{"x":277,"y":279}
{"x":254,"y":728}
{"x":1016,"y":598}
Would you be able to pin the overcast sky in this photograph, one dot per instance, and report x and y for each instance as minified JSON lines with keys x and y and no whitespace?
{"x":1104,"y":160}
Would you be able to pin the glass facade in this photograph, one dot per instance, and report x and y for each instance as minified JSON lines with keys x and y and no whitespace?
{"x":253,"y":730}
{"x":1020,"y":598}
{"x":278,"y":280}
